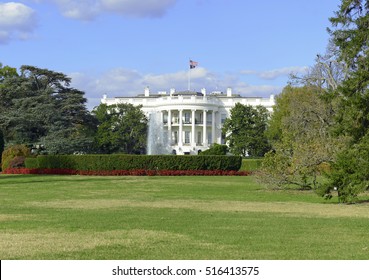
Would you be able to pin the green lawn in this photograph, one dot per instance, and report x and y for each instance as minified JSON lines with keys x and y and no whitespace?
{"x":76,"y":217}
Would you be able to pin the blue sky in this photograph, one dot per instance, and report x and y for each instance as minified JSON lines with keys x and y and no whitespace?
{"x":117,"y":47}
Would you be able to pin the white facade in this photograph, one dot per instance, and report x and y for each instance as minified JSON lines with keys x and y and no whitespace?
{"x":191,"y":121}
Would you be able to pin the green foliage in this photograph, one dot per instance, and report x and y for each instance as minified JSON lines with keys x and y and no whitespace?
{"x":301,"y":133}
{"x":245,"y":130}
{"x":251,"y":164}
{"x":12,"y":152}
{"x":215,"y":149}
{"x":122,"y":128}
{"x":131,"y":162}
{"x":7,"y":71}
{"x":31,"y":162}
{"x":39,"y":106}
{"x":349,"y":174}
{"x":349,"y":33}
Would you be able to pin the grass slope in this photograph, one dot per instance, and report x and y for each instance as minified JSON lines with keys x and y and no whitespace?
{"x":76,"y":217}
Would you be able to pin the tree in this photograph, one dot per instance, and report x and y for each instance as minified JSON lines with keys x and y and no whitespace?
{"x":349,"y":173}
{"x":301,"y":136}
{"x":7,"y":71}
{"x":40,"y":107}
{"x":326,"y":74}
{"x":122,"y":128}
{"x":245,"y":130}
{"x":349,"y":33}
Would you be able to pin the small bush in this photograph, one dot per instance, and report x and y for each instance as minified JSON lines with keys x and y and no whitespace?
{"x":215,"y":150}
{"x":17,"y":162}
{"x":12,"y":152}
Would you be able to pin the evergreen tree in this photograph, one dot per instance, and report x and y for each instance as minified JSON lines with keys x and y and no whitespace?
{"x":350,"y":34}
{"x":40,"y":107}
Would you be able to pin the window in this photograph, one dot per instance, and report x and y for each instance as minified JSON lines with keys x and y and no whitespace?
{"x":175,"y":119}
{"x":187,"y":137}
{"x":223,"y":118}
{"x":210,"y":140}
{"x":223,"y":141}
{"x":199,"y":140}
{"x":187,"y":118}
{"x":175,"y":137}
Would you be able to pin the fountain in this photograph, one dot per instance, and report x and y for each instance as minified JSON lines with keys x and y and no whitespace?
{"x":157,"y":136}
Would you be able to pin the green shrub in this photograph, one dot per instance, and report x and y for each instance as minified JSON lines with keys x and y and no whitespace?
{"x":216,"y":149}
{"x":349,"y":174}
{"x":251,"y":164}
{"x":11,"y":152}
{"x":131,"y":162}
{"x":31,"y":162}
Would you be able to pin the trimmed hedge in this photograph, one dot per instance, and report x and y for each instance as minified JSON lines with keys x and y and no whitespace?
{"x":251,"y":164}
{"x":134,"y":162}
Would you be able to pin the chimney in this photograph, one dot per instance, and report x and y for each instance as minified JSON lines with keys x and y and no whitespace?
{"x":172,"y":91}
{"x":147,"y":91}
{"x":203,"y":91}
{"x":229,"y":92}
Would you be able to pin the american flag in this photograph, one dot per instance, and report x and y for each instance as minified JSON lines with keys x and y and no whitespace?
{"x":193,"y":64}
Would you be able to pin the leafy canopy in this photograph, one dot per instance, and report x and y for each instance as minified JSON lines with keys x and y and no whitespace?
{"x":39,"y":107}
{"x":122,"y":128}
{"x":245,"y":130}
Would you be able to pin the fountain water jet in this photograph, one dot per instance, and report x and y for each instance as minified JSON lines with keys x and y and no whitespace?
{"x":157,"y":136}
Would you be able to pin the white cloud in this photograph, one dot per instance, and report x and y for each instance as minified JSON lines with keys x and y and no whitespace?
{"x":120,"y":82}
{"x":90,"y":9}
{"x":17,"y":21}
{"x":257,"y":90}
{"x":276,"y":73}
{"x":150,"y":8}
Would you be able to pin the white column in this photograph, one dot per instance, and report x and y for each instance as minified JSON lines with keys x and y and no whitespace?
{"x":204,"y":136}
{"x":180,"y":136}
{"x":219,"y":121}
{"x":193,"y":142}
{"x":170,"y":126}
{"x":213,"y":127}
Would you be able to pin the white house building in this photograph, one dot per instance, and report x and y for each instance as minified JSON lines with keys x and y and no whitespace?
{"x":186,"y":122}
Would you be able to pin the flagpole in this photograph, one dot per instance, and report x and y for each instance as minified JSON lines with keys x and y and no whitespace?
{"x":189,"y":75}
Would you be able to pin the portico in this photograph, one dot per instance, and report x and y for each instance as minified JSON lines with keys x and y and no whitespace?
{"x":192,"y":129}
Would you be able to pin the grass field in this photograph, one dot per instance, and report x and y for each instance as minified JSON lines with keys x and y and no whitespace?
{"x":76,"y":217}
